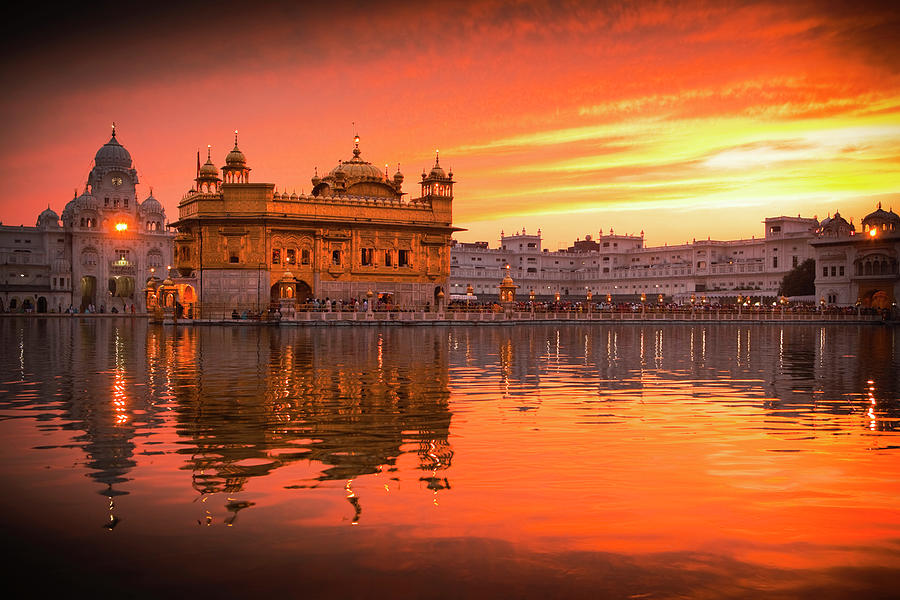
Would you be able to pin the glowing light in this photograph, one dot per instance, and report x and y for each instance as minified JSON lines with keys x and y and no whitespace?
{"x":121,"y":226}
{"x":873,"y":232}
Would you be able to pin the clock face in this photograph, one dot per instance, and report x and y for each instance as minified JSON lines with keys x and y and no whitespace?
{"x":117,"y":181}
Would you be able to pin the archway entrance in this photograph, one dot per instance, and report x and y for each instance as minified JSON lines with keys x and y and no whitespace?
{"x":291,"y":289}
{"x":876,"y":298}
{"x":88,"y":291}
{"x":42,"y":305}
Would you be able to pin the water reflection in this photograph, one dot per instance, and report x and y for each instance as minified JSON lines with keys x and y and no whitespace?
{"x":616,"y":440}
{"x":250,"y":401}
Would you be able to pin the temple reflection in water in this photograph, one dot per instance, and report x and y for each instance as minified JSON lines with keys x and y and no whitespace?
{"x":674,"y":453}
{"x":254,"y":400}
{"x":245,"y":402}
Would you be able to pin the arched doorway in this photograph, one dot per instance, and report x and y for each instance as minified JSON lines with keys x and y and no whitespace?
{"x":291,"y":289}
{"x":876,"y":299}
{"x":27,"y":305}
{"x":42,"y":305}
{"x":88,"y":291}
{"x":880,"y":300}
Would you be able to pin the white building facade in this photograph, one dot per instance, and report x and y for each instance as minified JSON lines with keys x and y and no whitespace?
{"x":623,"y":267}
{"x":98,"y":255}
{"x":859,"y":268}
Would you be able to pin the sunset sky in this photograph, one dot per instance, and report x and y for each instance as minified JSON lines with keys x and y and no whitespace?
{"x":680,"y":119}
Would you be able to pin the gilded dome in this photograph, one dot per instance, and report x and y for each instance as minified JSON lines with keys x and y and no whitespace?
{"x":113,"y":154}
{"x":437,"y":172}
{"x":356,"y":177}
{"x":209,"y":169}
{"x":357,"y":169}
{"x":235,"y":158}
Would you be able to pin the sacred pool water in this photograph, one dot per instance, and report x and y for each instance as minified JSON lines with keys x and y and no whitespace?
{"x":598,"y":460}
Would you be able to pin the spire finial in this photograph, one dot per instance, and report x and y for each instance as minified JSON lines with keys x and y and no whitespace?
{"x":235,"y":138}
{"x":208,"y":152}
{"x":437,"y":157}
{"x":114,"y":129}
{"x":151,"y":191}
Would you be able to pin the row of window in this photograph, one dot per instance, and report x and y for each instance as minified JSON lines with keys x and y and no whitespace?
{"x":367,"y":258}
{"x":835,"y":271}
{"x":115,"y":203}
{"x":90,"y":257}
{"x":290,"y":256}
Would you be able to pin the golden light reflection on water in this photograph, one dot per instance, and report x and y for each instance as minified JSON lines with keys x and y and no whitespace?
{"x":736,"y":441}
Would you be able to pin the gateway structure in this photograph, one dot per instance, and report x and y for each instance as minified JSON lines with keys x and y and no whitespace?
{"x":98,"y":255}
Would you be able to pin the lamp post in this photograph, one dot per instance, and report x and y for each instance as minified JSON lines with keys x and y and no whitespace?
{"x":740,"y":301}
{"x":590,"y":297}
{"x":470,"y":291}
{"x":643,"y":300}
{"x":693,"y":302}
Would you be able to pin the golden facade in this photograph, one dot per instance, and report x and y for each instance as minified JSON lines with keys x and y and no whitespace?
{"x":243,"y":245}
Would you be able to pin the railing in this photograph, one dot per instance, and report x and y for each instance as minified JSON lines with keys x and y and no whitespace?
{"x":304,"y":314}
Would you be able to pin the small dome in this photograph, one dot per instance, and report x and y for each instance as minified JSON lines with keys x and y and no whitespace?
{"x":85,"y":201}
{"x":48,"y":218}
{"x":69,"y":210}
{"x":882,"y":219}
{"x":398,"y":176}
{"x":835,"y":226}
{"x":209,"y":169}
{"x":235,"y":158}
{"x":151,"y":205}
{"x":113,"y":154}
{"x":437,"y":172}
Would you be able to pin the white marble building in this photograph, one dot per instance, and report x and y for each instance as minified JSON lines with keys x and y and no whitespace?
{"x":107,"y":246}
{"x":859,"y":267}
{"x":622,"y":267}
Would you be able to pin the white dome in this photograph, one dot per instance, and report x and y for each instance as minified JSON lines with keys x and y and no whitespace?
{"x":113,"y":154}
